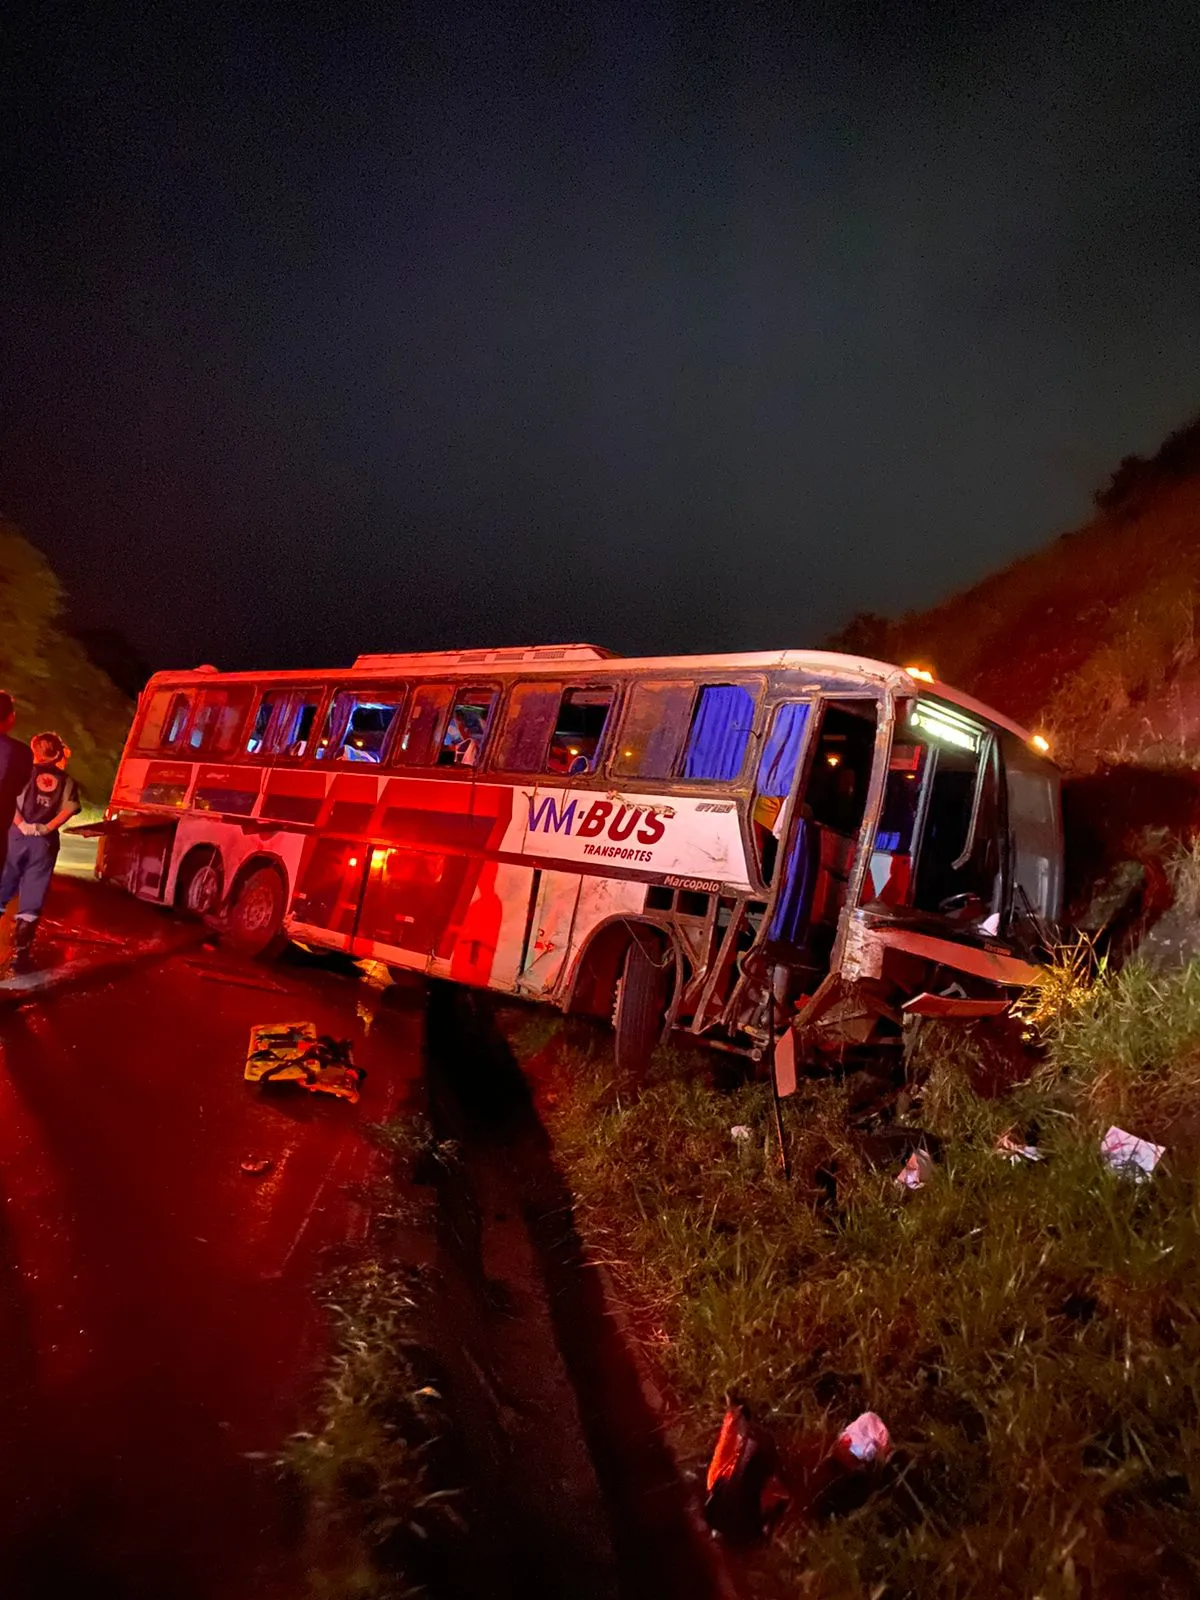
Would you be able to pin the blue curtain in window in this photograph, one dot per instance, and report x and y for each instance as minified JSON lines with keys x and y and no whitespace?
{"x":792,"y":909}
{"x":717,"y":744}
{"x":777,"y":765}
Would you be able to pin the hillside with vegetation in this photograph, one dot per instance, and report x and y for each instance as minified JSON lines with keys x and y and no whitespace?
{"x":50,"y":675}
{"x":1092,"y":639}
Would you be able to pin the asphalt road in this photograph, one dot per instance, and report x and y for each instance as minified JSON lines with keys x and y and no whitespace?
{"x":158,"y":1328}
{"x":77,"y":857}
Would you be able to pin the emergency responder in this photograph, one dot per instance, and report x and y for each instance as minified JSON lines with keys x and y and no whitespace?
{"x":49,"y":798}
{"x":16,"y":763}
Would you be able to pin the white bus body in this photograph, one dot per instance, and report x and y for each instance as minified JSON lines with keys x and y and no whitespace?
{"x":730,"y":845}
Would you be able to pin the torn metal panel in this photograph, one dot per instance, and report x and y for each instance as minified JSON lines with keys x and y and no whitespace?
{"x":951,"y":1008}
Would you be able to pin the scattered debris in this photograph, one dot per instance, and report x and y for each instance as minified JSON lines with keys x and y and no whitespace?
{"x":864,"y":1441}
{"x":746,"y":1495}
{"x":292,"y":1052}
{"x":1132,"y":1157}
{"x":743,"y":1141}
{"x":916,"y":1172}
{"x":255,"y":1166}
{"x":1015,"y":1153}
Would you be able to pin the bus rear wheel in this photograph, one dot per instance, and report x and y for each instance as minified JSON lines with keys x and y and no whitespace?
{"x":641,"y":1006}
{"x":255,"y":925}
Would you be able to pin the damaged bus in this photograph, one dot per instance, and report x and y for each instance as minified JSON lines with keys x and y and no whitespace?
{"x":793,"y":845}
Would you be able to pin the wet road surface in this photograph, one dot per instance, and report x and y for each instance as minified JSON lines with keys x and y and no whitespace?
{"x":157,"y":1322}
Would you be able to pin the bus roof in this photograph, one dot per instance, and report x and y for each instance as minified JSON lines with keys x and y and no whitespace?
{"x":550,"y":658}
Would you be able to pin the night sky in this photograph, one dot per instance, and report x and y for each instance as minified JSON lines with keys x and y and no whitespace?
{"x":339,"y":328}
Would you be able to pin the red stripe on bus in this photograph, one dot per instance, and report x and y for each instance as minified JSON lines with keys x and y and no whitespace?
{"x":478,"y":935}
{"x":357,"y":788}
{"x":309,"y":785}
{"x":433,"y":794}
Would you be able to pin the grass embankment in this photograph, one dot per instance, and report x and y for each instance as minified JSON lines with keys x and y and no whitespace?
{"x":366,"y":1470}
{"x":1030,"y":1334}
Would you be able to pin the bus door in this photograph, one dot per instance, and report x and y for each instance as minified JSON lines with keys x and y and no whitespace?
{"x":827,"y":816}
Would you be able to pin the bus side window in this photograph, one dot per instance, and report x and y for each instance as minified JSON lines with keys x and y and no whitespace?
{"x":357,"y":726}
{"x":720,"y":731}
{"x":1034,"y":828}
{"x":262,"y":721}
{"x":294,"y":726}
{"x":418,"y":743}
{"x":579,"y":731}
{"x":218,"y":723}
{"x":655,"y":726}
{"x":529,"y":721}
{"x":466,"y":728}
{"x":165,"y":720}
{"x":177,"y":721}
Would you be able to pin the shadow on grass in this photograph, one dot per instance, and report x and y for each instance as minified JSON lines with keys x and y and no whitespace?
{"x":616,"y":1520}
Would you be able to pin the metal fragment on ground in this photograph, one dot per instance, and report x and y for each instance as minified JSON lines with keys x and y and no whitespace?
{"x":746,"y":1494}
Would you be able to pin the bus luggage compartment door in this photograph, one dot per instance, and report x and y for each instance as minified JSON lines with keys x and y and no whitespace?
{"x":134,"y":858}
{"x":555,"y":897}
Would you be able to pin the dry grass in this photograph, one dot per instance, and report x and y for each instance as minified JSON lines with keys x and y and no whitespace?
{"x":1031,"y":1334}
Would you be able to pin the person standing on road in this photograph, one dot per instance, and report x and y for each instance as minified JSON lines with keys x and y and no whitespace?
{"x":49,"y":798}
{"x":16,"y":763}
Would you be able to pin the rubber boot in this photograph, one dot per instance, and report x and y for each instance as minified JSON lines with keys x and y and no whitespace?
{"x":26,"y":932}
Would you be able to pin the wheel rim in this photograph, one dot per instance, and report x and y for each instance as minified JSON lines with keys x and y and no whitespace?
{"x":203,"y":890}
{"x":256,"y":909}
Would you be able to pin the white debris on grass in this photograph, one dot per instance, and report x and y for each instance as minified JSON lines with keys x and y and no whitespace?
{"x":864,"y":1441}
{"x":1014,"y":1153}
{"x":915,"y":1173}
{"x":743,"y":1142}
{"x":1132,"y":1157}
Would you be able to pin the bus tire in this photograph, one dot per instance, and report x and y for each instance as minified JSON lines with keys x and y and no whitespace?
{"x":198,"y":891}
{"x":641,"y":1006}
{"x":255,"y":924}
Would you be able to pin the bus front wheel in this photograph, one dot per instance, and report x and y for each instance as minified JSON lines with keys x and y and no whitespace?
{"x":641,"y":1006}
{"x":255,"y":925}
{"x":198,"y":892}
